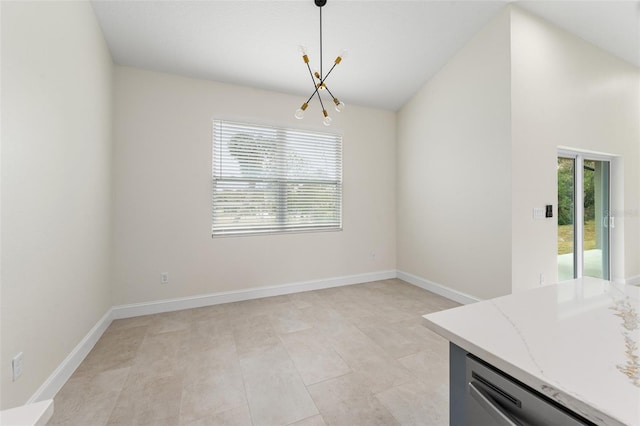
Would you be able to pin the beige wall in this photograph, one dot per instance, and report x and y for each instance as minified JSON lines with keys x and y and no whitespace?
{"x":454,"y":171}
{"x":162,"y":188}
{"x":477,"y":149}
{"x":56,"y":123}
{"x":566,"y":92}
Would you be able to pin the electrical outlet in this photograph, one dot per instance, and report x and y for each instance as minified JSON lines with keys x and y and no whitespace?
{"x":16,"y":366}
{"x":541,"y":278}
{"x":372,"y":255}
{"x":164,"y":278}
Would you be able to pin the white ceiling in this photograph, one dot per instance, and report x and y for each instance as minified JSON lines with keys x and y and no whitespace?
{"x":394,"y":45}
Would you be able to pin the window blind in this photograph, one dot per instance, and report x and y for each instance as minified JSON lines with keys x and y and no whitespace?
{"x":268,"y":179}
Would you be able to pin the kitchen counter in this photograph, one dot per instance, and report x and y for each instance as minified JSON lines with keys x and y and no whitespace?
{"x":577,"y":343}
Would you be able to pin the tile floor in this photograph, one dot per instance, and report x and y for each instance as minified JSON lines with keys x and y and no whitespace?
{"x":355,"y":355}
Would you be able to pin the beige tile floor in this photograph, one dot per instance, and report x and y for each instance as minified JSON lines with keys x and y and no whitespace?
{"x":355,"y":355}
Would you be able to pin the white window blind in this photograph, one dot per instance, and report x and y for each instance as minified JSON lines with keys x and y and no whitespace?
{"x":268,"y":179}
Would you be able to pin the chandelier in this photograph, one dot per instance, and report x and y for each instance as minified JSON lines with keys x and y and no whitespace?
{"x":319,"y":79}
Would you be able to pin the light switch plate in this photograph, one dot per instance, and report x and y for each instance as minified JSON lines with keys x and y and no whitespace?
{"x":538,"y":212}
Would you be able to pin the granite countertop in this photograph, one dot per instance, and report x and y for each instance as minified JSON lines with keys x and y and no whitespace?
{"x":577,"y":342}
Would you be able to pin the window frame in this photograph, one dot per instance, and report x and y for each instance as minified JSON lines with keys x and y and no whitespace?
{"x":282,"y":183}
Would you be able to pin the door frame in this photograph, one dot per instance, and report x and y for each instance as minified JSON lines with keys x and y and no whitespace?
{"x":578,"y":209}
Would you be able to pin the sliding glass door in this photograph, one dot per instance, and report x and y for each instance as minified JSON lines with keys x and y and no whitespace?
{"x":596,"y":219}
{"x":583,"y":217}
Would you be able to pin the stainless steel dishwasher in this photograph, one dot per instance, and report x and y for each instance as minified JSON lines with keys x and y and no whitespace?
{"x":493,"y":398}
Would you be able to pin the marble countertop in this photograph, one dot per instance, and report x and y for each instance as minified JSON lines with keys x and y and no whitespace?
{"x":577,"y":342}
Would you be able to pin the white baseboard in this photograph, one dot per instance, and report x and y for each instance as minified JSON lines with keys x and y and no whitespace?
{"x":633,"y":280}
{"x":156,"y":307}
{"x":60,"y":375}
{"x":443,"y":291}
{"x":35,"y":414}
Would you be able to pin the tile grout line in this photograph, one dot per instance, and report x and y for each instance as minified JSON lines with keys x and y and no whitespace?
{"x":244,"y":384}
{"x":297,"y":371}
{"x":371,"y":299}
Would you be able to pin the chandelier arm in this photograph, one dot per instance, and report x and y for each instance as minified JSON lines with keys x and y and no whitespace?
{"x":320,"y":99}
{"x":313,"y":81}
{"x":329,"y":92}
{"x":326,"y":76}
{"x":312,"y":95}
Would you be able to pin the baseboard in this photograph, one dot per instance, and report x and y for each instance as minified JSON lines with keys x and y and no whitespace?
{"x":60,"y":375}
{"x":633,"y":280}
{"x":160,"y":306}
{"x":35,"y":414}
{"x":443,"y":291}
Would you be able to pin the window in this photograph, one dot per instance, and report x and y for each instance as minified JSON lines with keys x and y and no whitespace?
{"x":268,"y":179}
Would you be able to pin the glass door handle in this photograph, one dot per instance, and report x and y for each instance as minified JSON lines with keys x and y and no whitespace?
{"x":502,"y":418}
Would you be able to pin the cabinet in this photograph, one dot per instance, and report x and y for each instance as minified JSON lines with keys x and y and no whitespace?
{"x":482,"y":395}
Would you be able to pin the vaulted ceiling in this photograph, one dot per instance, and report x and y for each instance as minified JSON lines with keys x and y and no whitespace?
{"x":394,"y":46}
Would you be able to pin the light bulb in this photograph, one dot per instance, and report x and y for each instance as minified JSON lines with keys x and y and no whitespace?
{"x":327,"y":121}
{"x":340,"y":57}
{"x":303,"y":51}
{"x":339,"y":105}
{"x":300,"y":111}
{"x":344,"y":53}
